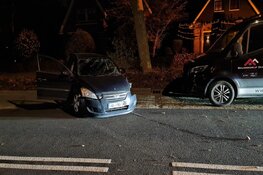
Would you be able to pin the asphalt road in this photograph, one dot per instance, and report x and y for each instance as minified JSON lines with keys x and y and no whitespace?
{"x":46,"y":140}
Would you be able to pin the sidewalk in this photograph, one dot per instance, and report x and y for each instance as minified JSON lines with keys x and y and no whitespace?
{"x":9,"y":97}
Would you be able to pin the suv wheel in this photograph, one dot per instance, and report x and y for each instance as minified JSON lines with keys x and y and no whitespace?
{"x":221,"y":93}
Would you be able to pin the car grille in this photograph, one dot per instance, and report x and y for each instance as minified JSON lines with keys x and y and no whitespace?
{"x":115,"y":96}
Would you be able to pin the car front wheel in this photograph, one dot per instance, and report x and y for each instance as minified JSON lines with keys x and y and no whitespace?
{"x":78,"y":105}
{"x":221,"y":93}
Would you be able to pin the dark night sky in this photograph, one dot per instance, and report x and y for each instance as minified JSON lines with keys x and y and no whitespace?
{"x":46,"y":16}
{"x":43,"y":17}
{"x":193,"y":8}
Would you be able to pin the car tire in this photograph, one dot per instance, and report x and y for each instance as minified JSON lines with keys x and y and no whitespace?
{"x":221,"y":93}
{"x":78,"y":105}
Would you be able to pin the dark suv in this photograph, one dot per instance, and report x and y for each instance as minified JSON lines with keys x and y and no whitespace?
{"x":231,"y":68}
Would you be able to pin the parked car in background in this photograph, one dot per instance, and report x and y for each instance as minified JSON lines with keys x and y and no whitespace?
{"x":91,"y":84}
{"x":231,"y":68}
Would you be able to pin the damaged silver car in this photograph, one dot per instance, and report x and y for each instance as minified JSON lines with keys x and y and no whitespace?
{"x":90,"y":84}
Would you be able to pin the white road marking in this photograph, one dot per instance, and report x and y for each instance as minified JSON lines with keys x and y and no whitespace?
{"x":192,"y":173}
{"x":56,"y":159}
{"x":54,"y":167}
{"x":218,"y":167}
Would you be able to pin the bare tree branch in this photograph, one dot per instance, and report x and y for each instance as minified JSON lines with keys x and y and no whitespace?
{"x":163,"y":14}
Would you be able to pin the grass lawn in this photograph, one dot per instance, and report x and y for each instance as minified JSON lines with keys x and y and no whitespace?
{"x":17,"y":81}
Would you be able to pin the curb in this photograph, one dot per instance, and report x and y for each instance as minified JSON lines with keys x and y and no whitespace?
{"x":9,"y":99}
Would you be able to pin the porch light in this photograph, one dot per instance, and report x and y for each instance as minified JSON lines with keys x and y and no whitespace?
{"x":207,"y":39}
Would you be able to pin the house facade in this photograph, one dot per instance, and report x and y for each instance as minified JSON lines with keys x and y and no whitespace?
{"x":215,"y":17}
{"x":82,"y":14}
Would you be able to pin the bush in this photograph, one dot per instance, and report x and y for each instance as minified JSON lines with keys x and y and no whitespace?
{"x":160,"y":77}
{"x":179,"y":61}
{"x":80,"y":42}
{"x":26,"y":48}
{"x":27,"y":44}
{"x":124,"y":55}
{"x":18,"y":81}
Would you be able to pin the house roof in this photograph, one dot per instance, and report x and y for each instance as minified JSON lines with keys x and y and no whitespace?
{"x":69,"y":11}
{"x":257,"y":6}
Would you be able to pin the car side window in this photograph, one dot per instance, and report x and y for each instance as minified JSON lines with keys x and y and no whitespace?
{"x":256,"y":38}
{"x":51,"y":65}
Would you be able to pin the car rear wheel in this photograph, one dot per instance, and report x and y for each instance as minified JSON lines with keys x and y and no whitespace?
{"x":221,"y":93}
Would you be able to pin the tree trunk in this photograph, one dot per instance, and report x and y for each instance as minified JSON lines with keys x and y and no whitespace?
{"x":141,"y":35}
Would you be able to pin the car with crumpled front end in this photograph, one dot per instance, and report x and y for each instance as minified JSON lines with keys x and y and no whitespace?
{"x":90,"y":84}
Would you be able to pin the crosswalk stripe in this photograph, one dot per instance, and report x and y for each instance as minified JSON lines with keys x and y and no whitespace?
{"x":56,"y":159}
{"x":193,"y":173}
{"x":218,"y":167}
{"x":54,"y":167}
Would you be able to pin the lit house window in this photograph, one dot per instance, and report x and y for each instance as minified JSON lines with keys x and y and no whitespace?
{"x":233,"y":4}
{"x":218,"y":6}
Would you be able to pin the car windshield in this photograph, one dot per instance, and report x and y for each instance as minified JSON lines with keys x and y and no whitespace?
{"x":97,"y":67}
{"x":224,"y":40}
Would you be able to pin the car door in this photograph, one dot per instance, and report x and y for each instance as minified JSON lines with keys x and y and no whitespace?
{"x":54,"y":79}
{"x":248,"y":67}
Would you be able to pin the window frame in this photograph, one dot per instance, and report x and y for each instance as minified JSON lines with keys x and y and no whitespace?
{"x":87,"y":13}
{"x":222,"y":5}
{"x":234,"y":9}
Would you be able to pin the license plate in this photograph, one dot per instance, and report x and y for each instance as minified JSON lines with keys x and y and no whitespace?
{"x":118,"y":104}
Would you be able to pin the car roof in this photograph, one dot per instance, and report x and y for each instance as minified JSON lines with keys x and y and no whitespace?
{"x":252,"y":19}
{"x":247,"y":22}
